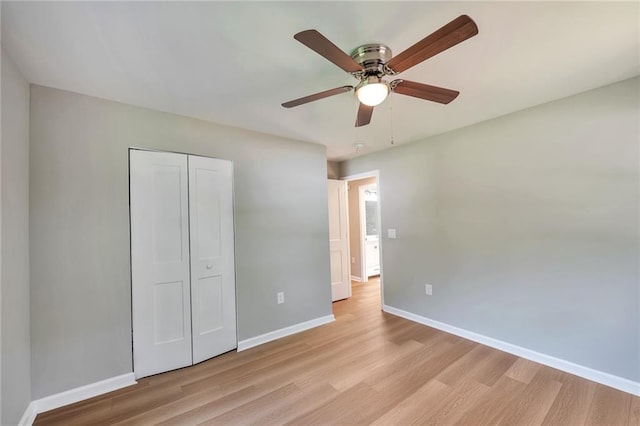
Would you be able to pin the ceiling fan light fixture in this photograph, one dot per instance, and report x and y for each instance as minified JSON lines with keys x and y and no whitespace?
{"x":372,"y":91}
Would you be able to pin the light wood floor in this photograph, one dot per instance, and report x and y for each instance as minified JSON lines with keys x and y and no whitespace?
{"x":367,"y":367}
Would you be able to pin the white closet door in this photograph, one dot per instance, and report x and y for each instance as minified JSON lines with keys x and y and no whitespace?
{"x":213,"y":297}
{"x":160,"y":262}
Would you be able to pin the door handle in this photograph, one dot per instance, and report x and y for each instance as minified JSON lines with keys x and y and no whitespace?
{"x":209,"y":266}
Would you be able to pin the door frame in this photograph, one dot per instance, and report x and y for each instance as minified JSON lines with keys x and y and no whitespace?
{"x":375,"y":174}
{"x":363,"y":228}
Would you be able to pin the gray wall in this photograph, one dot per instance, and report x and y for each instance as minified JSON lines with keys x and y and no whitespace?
{"x":525,"y":225}
{"x":80,"y":272}
{"x":15,"y":341}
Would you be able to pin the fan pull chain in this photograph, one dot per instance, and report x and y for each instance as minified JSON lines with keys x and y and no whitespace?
{"x":357,"y":134}
{"x":391,"y":118}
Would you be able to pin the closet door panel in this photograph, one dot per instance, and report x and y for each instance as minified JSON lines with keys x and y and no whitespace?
{"x":213,"y":298}
{"x":160,"y":262}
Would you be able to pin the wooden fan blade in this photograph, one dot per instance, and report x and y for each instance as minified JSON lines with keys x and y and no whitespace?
{"x":317,"y":96}
{"x":364,"y":115}
{"x":320,"y":44}
{"x":442,"y":39}
{"x":425,"y":91}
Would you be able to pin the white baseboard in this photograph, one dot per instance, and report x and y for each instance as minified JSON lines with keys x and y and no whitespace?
{"x":284,"y":332}
{"x":29,"y":416}
{"x":74,"y":395}
{"x":601,"y":377}
{"x":359,"y":279}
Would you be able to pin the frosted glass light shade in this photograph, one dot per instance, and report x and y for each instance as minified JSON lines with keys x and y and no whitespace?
{"x":372,"y":94}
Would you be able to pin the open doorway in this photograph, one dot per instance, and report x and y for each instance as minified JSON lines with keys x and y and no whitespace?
{"x":365,"y":232}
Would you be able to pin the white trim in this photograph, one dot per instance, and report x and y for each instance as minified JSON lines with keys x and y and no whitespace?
{"x":283,"y":332}
{"x":597,"y":376}
{"x":362,"y":221}
{"x":358,"y":176}
{"x":354,"y":278}
{"x":376,"y":174}
{"x":29,"y":416}
{"x":83,"y":392}
{"x":362,"y":210}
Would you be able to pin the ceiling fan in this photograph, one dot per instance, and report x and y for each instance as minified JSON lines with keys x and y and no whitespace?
{"x":371,"y":62}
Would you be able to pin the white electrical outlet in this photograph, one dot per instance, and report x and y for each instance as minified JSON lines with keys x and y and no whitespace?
{"x":428,"y":289}
{"x":353,"y":260}
{"x":280,"y":297}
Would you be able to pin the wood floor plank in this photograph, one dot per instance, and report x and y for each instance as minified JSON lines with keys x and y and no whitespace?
{"x":244,"y":372}
{"x":382,"y":362}
{"x":250,"y":411}
{"x":634,"y":412}
{"x":366,"y":367}
{"x":416,"y":332}
{"x":425,"y":366}
{"x":345,"y":364}
{"x":288,"y":369}
{"x":572,"y":403}
{"x":533,"y":403}
{"x":492,"y":406}
{"x":360,"y":404}
{"x":411,"y":409}
{"x":493,"y":367}
{"x":460,"y":369}
{"x":455,"y":404}
{"x":309,"y":400}
{"x":228,"y":361}
{"x":122,"y":406}
{"x":180,"y":406}
{"x":483,"y":364}
{"x":609,"y":407}
{"x":523,"y":370}
{"x":81,"y":416}
{"x":213,"y":408}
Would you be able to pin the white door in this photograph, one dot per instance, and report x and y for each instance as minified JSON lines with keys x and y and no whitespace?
{"x":338,"y":240}
{"x":213,"y":297}
{"x":182,"y":260}
{"x":161,"y":291}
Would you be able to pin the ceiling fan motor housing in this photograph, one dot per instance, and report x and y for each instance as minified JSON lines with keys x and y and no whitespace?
{"x":372,"y":57}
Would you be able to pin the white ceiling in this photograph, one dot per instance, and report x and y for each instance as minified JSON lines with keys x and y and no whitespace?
{"x":235,"y":62}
